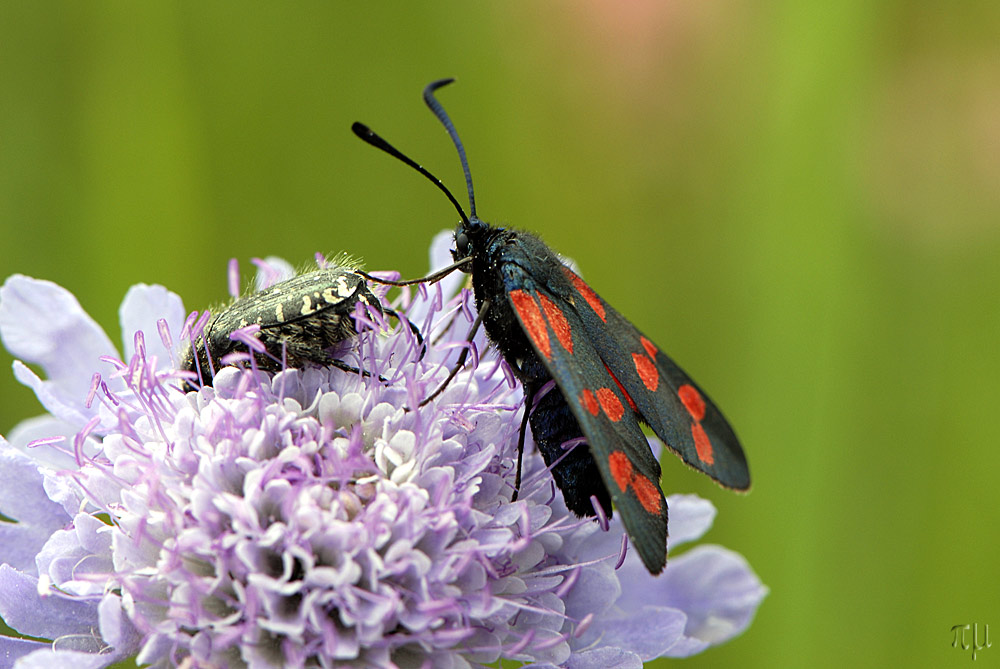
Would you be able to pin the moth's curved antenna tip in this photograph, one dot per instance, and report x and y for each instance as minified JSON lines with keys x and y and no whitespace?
{"x":434,"y":85}
{"x":361,"y":130}
{"x":445,"y":120}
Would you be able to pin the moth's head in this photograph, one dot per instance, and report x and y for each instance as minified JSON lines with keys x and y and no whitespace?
{"x":470,"y":239}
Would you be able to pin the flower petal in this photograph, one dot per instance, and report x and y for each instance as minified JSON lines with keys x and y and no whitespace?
{"x":43,"y":323}
{"x":12,"y":649}
{"x":595,"y":591}
{"x":605,"y":658}
{"x":690,"y":517}
{"x":647,"y":631}
{"x":76,"y":558}
{"x":717,"y":590}
{"x":23,"y":499}
{"x":714,"y":587}
{"x":48,"y":617}
{"x":56,"y":455}
{"x":116,"y":629}
{"x":70,"y":408}
{"x":142,"y":307}
{"x":46,"y":659}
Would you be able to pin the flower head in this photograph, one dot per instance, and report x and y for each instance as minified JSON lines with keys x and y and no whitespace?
{"x":314,"y":517}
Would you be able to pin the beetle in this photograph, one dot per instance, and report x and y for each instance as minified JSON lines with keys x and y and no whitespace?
{"x":301,"y":321}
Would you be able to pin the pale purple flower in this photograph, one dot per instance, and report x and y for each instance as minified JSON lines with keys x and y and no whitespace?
{"x":311,"y":518}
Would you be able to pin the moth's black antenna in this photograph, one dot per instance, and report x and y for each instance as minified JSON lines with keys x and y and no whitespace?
{"x":442,"y":116}
{"x":369,"y":136}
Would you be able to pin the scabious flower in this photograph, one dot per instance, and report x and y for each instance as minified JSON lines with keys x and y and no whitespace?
{"x":314,"y":517}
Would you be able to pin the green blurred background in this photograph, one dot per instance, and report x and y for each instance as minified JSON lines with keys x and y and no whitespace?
{"x":799,"y":202}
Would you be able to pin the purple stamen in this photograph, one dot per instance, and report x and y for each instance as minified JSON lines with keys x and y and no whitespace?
{"x":602,"y":518}
{"x":234,"y":278}
{"x":95,"y":382}
{"x":622,"y":553}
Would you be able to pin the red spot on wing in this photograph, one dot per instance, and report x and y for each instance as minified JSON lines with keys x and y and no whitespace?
{"x":589,"y":402}
{"x":702,"y":444}
{"x":649,"y":346}
{"x":628,"y":397}
{"x":648,"y":493}
{"x":589,"y":295}
{"x":692,"y":401}
{"x":611,"y":404}
{"x":621,"y":469}
{"x":695,"y":404}
{"x":558,"y":322}
{"x":531,"y":317}
{"x":647,"y":371}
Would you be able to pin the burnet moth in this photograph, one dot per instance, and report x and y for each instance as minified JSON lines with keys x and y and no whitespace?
{"x":589,"y":376}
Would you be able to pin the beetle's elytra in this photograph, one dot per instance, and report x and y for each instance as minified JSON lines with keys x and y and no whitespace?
{"x":301,"y":319}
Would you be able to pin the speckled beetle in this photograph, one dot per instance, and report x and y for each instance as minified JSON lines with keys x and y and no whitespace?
{"x":301,"y":320}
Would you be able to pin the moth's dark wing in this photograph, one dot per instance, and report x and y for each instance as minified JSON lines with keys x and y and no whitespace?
{"x":667,"y":399}
{"x":630,"y":472}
